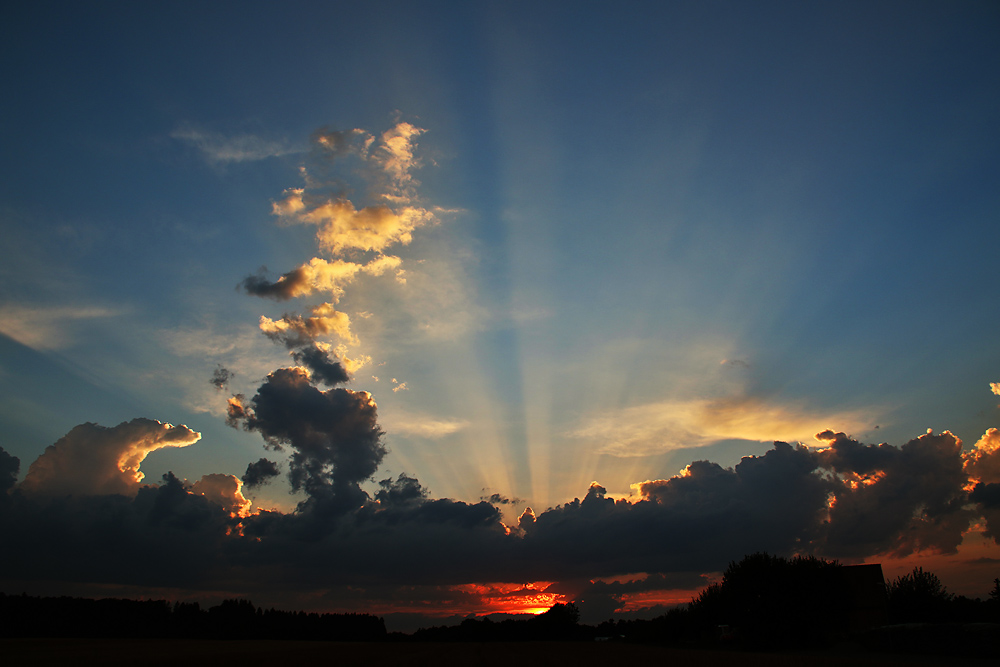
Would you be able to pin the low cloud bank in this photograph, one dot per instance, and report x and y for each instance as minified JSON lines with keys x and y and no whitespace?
{"x":100,"y":523}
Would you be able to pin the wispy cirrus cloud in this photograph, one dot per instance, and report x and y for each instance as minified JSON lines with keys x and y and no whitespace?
{"x":218,"y":148}
{"x":46,"y":327}
{"x":654,"y":428}
{"x":421,"y":424}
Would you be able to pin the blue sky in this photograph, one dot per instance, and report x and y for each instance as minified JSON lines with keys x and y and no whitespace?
{"x":656,"y":235}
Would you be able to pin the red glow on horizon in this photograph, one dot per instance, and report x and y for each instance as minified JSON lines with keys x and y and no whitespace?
{"x":665,"y":598}
{"x":529,"y":598}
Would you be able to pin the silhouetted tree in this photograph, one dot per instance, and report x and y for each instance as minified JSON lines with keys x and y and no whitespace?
{"x":773,"y":601}
{"x":918,"y":597}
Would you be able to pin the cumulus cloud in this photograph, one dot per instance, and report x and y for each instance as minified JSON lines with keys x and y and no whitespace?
{"x":260,"y":472}
{"x":657,"y":427}
{"x":896,"y":500}
{"x":848,"y":499}
{"x":10,"y":465}
{"x":354,"y":240}
{"x":334,"y":436}
{"x":982,"y":462}
{"x":226,"y":491}
{"x":390,"y":160}
{"x":342,"y":227}
{"x":96,"y":460}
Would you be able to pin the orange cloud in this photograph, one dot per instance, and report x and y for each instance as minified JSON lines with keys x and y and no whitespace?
{"x":342,"y":227}
{"x":223,"y":490}
{"x":325,"y":320}
{"x":982,"y":462}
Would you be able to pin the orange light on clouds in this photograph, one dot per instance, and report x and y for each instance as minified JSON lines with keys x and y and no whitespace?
{"x":529,"y":598}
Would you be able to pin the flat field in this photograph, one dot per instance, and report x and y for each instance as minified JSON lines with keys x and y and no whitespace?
{"x":17,"y":652}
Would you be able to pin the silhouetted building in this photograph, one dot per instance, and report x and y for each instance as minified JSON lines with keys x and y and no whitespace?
{"x":865,"y":588}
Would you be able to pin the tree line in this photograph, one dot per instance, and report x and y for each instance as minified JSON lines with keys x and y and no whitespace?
{"x":761,"y":602}
{"x":27,"y":616}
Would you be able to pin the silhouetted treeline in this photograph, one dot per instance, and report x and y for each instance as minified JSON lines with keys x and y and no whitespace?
{"x":766,"y":601}
{"x":26,"y":616}
{"x":762,"y":602}
{"x":769,"y":602}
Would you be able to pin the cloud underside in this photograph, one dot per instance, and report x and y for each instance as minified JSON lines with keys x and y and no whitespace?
{"x":658,"y":427}
{"x":85,"y":522}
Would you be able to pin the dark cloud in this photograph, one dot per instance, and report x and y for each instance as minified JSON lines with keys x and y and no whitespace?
{"x":403,"y":490}
{"x":334,"y":436}
{"x":199,"y":535}
{"x":500,"y":499}
{"x":285,"y":287}
{"x":221,"y":377}
{"x":9,"y":467}
{"x":987,"y":495}
{"x":259,"y":473}
{"x":896,"y":500}
{"x":324,"y":368}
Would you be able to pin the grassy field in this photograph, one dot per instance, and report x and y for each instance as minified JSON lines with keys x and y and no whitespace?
{"x":17,"y":652}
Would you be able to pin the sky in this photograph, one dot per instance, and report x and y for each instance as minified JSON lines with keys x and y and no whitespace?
{"x":442,"y":308}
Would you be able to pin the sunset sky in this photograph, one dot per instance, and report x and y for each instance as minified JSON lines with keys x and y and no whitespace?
{"x":609,"y":254}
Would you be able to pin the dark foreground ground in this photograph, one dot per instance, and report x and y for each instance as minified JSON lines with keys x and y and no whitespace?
{"x":17,"y":652}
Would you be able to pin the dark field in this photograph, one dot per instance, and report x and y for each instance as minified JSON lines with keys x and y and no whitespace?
{"x":16,"y":652}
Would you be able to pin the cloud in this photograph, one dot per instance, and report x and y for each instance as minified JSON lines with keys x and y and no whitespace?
{"x":396,"y":156}
{"x":885,"y":500}
{"x":9,"y":467}
{"x":226,"y":491}
{"x":217,"y":148}
{"x":423,"y":425}
{"x":982,"y":462}
{"x":295,"y":330}
{"x":46,"y":328}
{"x":334,"y":436}
{"x":896,"y":500}
{"x":259,"y":473}
{"x":96,"y":460}
{"x":658,"y":427}
{"x":390,"y":160}
{"x":316,"y":275}
{"x":847,"y":499}
{"x":220,"y":377}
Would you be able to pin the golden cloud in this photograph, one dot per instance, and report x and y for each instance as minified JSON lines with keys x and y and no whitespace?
{"x":653,"y":428}
{"x":96,"y":460}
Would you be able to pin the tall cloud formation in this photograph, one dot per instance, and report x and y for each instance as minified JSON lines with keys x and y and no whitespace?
{"x":365,"y":234}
